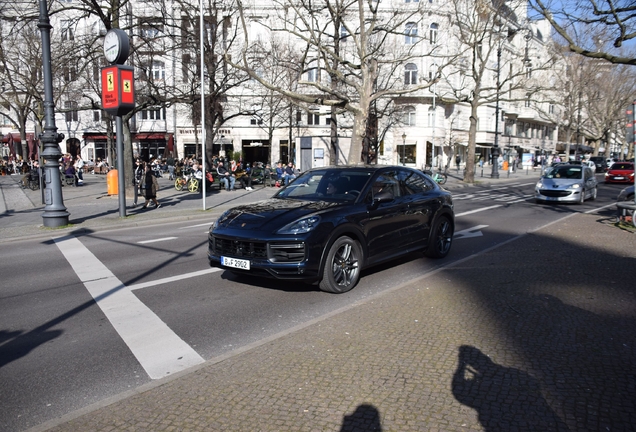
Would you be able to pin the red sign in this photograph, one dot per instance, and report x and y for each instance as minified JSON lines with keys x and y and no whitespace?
{"x":118,"y":89}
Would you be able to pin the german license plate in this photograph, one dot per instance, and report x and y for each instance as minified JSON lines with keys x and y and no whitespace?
{"x":618,"y":178}
{"x":235,"y":263}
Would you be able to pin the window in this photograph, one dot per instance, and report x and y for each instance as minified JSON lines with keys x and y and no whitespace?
{"x":411,"y":1}
{"x":158,"y":71}
{"x":433,"y":33}
{"x":312,"y":74}
{"x":71,"y":113}
{"x":410,"y":74}
{"x":527,"y":103}
{"x":528,"y":70}
{"x":432,"y":72}
{"x":551,"y":108}
{"x":150,"y":31}
{"x":97,"y":115}
{"x":414,"y":183}
{"x":431,"y":117}
{"x":328,"y":120}
{"x":256,"y":121}
{"x":313,"y":118}
{"x":68,"y":34}
{"x":410,"y":33}
{"x":408,"y":118}
{"x":343,"y":33}
{"x":153,"y":114}
{"x":69,"y":73}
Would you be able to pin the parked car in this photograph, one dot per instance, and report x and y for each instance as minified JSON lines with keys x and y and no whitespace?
{"x":601,"y":164}
{"x":620,"y":172}
{"x":330,"y":223}
{"x":626,"y":194}
{"x":566,"y":183}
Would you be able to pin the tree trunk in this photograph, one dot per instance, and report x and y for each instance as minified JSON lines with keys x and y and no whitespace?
{"x":469,"y":177}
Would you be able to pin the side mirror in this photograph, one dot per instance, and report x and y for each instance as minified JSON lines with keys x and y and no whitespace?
{"x":382,"y":197}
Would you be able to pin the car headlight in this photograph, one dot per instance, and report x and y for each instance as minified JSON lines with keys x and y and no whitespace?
{"x":216,"y":222}
{"x":301,"y":226}
{"x":575,"y":186}
{"x":539,"y":185}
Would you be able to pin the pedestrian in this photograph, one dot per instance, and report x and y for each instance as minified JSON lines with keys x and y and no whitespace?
{"x":171,"y":167}
{"x":289,"y":173}
{"x":79,"y":169}
{"x":137,"y":177}
{"x":150,"y":186}
{"x":458,"y":160}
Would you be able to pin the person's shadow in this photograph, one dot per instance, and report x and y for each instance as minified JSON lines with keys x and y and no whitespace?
{"x":505,"y":398}
{"x":364,"y":418}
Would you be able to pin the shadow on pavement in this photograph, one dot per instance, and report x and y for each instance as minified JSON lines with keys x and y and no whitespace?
{"x":365,"y":418}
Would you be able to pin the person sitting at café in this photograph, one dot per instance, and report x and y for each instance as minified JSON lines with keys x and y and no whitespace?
{"x":226,"y":177}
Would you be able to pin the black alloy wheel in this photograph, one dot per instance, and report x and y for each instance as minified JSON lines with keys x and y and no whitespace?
{"x":440,"y":238}
{"x":342,"y":266}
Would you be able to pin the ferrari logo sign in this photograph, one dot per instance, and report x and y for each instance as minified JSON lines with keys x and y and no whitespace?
{"x":118,"y":89}
{"x":110,"y":81}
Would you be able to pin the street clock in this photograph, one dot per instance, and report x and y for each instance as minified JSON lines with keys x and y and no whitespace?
{"x":116,"y":46}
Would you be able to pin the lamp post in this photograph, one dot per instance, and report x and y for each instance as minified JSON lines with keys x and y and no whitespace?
{"x":55,"y":214}
{"x":403,"y":148}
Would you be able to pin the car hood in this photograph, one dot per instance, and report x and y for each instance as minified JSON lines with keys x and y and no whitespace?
{"x":272,"y":214}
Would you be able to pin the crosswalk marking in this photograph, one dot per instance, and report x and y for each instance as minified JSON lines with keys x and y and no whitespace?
{"x":158,"y":349}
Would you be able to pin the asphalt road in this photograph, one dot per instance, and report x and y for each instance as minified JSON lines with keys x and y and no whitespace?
{"x":67,"y":352}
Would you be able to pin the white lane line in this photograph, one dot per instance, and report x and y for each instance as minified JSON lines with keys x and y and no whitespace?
{"x":156,"y":240}
{"x":195,"y":226}
{"x":173,"y":279}
{"x":157,"y":348}
{"x":478,"y":210}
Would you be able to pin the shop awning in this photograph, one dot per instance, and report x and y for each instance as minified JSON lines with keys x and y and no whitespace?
{"x":136,"y":136}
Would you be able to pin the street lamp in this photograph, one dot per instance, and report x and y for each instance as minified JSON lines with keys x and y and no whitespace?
{"x":55,"y":214}
{"x":403,"y":148}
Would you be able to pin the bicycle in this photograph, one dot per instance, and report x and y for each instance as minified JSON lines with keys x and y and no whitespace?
{"x":187,"y":181}
{"x":440,"y":178}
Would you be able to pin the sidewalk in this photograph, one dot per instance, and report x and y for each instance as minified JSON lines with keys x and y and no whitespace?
{"x":91,"y":207}
{"x":535,"y":334}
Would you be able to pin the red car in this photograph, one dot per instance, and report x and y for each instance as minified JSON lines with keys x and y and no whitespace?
{"x":620,"y":172}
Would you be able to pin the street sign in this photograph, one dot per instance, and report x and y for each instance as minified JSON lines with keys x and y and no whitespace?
{"x":118,"y":89}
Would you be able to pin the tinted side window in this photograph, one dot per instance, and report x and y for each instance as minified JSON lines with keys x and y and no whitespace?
{"x":387,"y":181}
{"x":413,"y":182}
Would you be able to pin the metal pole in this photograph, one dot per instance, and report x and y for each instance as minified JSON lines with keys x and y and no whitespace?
{"x":119,"y":130}
{"x":202,"y":101}
{"x":55,"y":214}
{"x":403,"y":149}
{"x":495,"y":147}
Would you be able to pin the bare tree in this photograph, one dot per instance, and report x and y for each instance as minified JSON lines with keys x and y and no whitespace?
{"x":593,"y":29}
{"x":492,"y":62}
{"x":349,"y":78}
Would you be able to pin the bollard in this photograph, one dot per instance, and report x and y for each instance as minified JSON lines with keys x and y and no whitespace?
{"x":111,"y":182}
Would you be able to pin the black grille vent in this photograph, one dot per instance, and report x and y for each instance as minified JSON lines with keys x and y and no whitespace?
{"x":287,"y":252}
{"x":555,"y":193}
{"x":240,"y":248}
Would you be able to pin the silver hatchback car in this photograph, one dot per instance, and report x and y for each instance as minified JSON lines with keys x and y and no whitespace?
{"x":566,"y":183}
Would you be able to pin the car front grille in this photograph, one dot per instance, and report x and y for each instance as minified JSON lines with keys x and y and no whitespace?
{"x":555,"y":193}
{"x":240,"y":248}
{"x":280,"y":252}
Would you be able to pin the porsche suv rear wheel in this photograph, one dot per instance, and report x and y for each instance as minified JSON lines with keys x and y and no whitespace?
{"x":440,"y":238}
{"x":342,"y":266}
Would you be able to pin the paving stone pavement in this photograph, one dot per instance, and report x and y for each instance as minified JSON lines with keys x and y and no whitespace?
{"x":535,"y":335}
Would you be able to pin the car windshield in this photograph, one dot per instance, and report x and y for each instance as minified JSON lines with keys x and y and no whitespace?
{"x":564,"y":172}
{"x":338,"y":185}
{"x":622,"y":166}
